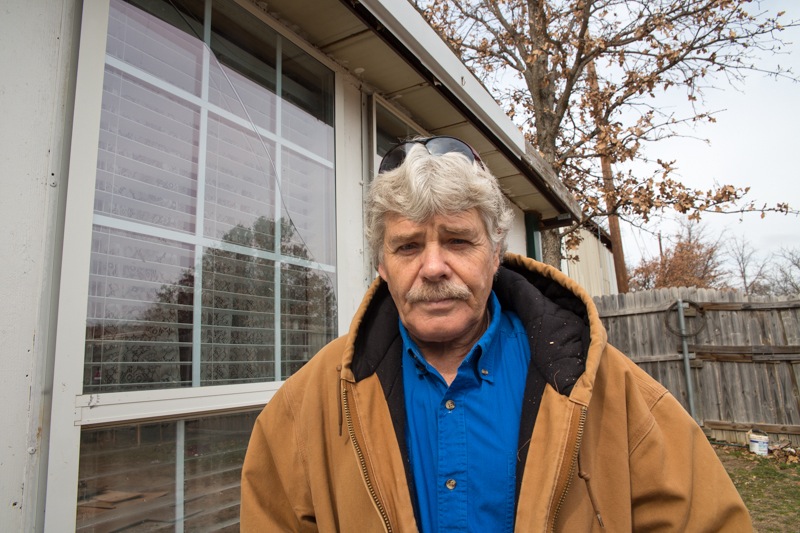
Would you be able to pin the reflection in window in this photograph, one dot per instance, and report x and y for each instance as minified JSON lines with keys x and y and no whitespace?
{"x":167,"y":476}
{"x":139,"y":324}
{"x":389,"y":130}
{"x":214,"y":246}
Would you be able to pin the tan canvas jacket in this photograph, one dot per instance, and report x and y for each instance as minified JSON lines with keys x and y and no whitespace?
{"x":613,"y":451}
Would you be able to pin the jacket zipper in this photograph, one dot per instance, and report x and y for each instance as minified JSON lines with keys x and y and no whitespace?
{"x":572,"y":466}
{"x":364,"y":472}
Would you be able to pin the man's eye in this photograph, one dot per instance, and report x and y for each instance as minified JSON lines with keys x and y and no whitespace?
{"x":408,"y":247}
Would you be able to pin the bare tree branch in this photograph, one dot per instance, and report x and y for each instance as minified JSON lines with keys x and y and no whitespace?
{"x":641,"y":49}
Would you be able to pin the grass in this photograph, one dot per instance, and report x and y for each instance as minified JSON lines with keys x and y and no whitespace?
{"x":769,"y":486}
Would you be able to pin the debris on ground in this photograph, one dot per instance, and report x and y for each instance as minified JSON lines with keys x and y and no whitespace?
{"x":784,"y":452}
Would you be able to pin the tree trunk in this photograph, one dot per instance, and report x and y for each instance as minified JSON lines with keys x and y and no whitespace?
{"x":610,"y":192}
{"x":551,"y":247}
{"x":617,"y":251}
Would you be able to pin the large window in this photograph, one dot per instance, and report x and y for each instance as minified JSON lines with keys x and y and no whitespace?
{"x":213,"y":256}
{"x":213,"y":251}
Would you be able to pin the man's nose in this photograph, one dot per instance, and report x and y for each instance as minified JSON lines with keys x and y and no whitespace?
{"x":434,"y":263}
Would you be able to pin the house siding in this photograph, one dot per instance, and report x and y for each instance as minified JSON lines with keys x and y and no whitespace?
{"x":38,"y":60}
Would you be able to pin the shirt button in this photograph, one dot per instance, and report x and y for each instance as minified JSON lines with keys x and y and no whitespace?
{"x":450,"y":404}
{"x":450,"y":484}
{"x":484,"y":372}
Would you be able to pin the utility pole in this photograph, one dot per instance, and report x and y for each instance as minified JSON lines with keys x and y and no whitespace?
{"x":608,"y":188}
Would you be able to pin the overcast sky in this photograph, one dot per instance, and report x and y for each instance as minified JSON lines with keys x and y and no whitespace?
{"x":755,"y":142}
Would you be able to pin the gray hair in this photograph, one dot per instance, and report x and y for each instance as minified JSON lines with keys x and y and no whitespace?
{"x":426,"y":185}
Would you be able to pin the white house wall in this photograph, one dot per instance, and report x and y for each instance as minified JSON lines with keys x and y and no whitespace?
{"x":517,"y":240}
{"x":354,"y":273}
{"x":594,"y":269}
{"x":37,"y":61}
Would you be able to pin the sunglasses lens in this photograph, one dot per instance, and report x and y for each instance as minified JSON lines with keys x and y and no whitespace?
{"x":449,"y":145}
{"x":435,"y":146}
{"x":393,"y":158}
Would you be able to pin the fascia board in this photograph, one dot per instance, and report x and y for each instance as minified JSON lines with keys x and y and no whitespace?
{"x":408,"y":26}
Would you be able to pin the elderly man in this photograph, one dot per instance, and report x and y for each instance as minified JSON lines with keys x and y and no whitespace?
{"x":475,"y":391}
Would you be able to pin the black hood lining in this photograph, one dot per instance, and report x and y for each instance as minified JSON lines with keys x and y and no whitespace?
{"x":556,"y":321}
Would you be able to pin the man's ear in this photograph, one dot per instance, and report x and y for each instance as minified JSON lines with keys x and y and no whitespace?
{"x":381,"y":271}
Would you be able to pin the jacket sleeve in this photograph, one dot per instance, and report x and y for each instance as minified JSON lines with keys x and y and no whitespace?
{"x":677,"y":481}
{"x":275,"y":493}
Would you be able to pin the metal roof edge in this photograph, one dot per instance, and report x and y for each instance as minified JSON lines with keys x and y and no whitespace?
{"x":549,"y":180}
{"x":411,"y":29}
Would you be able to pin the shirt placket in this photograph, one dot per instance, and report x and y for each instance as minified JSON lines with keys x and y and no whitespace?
{"x":452,"y":486}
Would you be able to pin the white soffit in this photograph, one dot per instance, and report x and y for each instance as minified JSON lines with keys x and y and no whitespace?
{"x":335,"y":28}
{"x":404,"y":22}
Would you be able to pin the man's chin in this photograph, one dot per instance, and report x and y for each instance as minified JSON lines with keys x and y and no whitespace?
{"x":433,"y":328}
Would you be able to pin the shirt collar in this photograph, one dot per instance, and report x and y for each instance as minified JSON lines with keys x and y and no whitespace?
{"x":480,"y":357}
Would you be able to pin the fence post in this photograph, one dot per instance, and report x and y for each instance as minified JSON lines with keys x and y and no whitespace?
{"x":686,"y":367}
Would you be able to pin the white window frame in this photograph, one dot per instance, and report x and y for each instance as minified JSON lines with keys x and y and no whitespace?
{"x":71,"y":409}
{"x":373,"y":160}
{"x":378,"y":100}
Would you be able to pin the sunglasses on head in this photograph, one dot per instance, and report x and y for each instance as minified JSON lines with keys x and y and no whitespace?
{"x":435,"y":145}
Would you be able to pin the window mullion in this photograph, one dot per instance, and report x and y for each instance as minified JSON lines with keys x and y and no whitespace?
{"x":180,"y":474}
{"x":278,"y":159}
{"x":202,"y":149}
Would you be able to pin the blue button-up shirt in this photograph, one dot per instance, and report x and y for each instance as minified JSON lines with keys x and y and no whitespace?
{"x":462,"y":439}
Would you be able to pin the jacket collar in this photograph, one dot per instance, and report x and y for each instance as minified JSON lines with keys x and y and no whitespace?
{"x":560,"y":318}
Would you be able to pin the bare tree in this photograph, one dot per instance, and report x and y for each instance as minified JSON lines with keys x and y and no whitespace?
{"x":749,"y":271}
{"x":583,"y":78}
{"x":786,"y":272}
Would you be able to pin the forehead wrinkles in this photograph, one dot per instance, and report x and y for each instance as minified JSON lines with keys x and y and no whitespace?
{"x":399,"y":228}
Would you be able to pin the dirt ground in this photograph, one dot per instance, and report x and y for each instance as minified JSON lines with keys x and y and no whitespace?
{"x":769,"y":486}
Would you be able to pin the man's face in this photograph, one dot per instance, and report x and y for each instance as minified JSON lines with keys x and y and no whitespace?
{"x":439,"y":274}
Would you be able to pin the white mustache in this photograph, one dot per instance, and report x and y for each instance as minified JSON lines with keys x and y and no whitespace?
{"x":434,"y":292}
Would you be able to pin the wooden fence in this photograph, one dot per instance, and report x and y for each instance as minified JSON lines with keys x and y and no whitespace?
{"x":744,"y":355}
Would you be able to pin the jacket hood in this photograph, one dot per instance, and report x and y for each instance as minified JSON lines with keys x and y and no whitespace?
{"x":564,"y":329}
